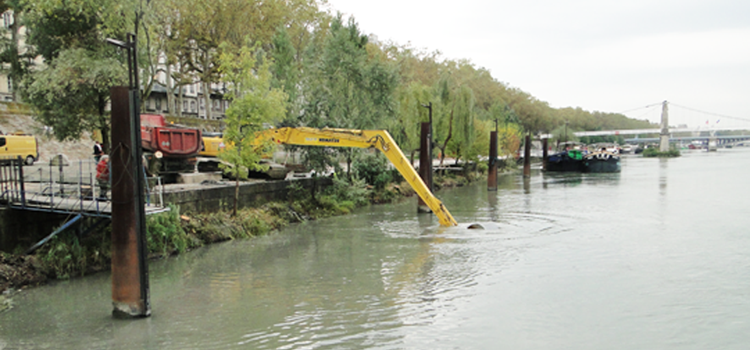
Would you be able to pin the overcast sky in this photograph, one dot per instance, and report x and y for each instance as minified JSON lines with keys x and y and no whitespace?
{"x":610,"y":56}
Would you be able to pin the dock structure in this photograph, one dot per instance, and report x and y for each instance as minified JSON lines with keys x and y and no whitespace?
{"x":60,"y":187}
{"x":63,"y":189}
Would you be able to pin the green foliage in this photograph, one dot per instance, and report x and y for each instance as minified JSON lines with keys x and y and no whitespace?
{"x":482,"y":167}
{"x":71,"y":94}
{"x":285,"y":71}
{"x":254,"y":103}
{"x":67,"y":255}
{"x":349,"y":83}
{"x":166,"y":235}
{"x":654,"y":152}
{"x":373,"y":168}
{"x":354,"y":192}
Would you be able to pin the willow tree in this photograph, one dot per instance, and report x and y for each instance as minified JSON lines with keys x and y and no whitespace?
{"x":463,"y":110}
{"x":410,"y":112}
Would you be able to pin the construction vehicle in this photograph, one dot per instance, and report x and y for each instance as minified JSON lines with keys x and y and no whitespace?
{"x":211,"y":144}
{"x":168,"y":149}
{"x":379,"y":139}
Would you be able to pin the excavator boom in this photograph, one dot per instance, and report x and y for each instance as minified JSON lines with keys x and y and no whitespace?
{"x":379,"y":139}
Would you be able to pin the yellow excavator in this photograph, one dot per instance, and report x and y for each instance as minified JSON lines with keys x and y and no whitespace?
{"x":379,"y":139}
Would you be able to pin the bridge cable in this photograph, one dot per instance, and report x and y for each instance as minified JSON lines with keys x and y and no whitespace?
{"x":709,"y":113}
{"x":635,"y":109}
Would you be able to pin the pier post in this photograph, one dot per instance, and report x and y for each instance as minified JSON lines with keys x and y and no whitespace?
{"x":545,"y":154}
{"x":492,"y":171}
{"x":527,"y":156}
{"x":425,"y":159}
{"x":130,"y":287}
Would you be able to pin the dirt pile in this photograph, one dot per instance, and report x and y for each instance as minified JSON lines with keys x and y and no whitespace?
{"x":17,"y":271}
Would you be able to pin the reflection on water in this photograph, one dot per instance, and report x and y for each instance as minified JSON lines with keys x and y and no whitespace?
{"x":578,"y":261}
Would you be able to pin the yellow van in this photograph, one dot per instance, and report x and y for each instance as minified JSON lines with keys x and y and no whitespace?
{"x":13,"y":146}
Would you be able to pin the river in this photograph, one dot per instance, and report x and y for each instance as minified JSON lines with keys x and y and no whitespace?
{"x":655,"y":257}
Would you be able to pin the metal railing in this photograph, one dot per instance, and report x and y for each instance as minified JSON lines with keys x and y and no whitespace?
{"x":63,"y":187}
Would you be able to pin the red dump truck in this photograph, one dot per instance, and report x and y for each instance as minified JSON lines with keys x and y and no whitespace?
{"x":168,"y":149}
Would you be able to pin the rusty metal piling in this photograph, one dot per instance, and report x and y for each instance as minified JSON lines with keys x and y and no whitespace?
{"x":492,"y":171}
{"x":130,"y":285}
{"x":527,"y":157}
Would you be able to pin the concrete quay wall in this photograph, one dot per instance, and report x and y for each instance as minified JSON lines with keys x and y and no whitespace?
{"x":198,"y":198}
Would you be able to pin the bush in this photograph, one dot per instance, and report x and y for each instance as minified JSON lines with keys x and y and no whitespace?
{"x":166,"y":234}
{"x":654,"y":152}
{"x":373,"y":168}
{"x":482,"y":167}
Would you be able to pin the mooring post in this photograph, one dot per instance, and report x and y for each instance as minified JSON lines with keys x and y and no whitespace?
{"x":130,"y":289}
{"x":527,"y":156}
{"x":425,"y":165}
{"x":492,"y":171}
{"x":545,"y":154}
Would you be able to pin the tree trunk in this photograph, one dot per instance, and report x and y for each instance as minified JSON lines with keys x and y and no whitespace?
{"x":14,"y":60}
{"x":445,"y":143}
{"x":170,"y":91}
{"x":180,"y":101}
{"x":103,"y":126}
{"x":207,"y":96}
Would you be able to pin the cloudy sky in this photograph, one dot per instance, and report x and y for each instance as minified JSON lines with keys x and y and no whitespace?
{"x":600,"y":55}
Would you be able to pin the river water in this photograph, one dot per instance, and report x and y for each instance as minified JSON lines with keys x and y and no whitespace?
{"x":656,"y":257}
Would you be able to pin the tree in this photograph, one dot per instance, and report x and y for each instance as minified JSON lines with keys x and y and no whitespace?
{"x":71,"y":94}
{"x":254,"y":104}
{"x":73,"y":88}
{"x":405,"y":127}
{"x":350,"y":84}
{"x":285,"y":71}
{"x":463,"y":110}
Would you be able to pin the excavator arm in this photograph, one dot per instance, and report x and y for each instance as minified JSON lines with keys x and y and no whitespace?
{"x":379,"y":139}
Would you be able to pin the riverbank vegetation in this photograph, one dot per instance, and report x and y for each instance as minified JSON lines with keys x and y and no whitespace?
{"x":652,"y":152}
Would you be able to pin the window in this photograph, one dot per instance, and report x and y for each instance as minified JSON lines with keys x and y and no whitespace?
{"x":158,"y":104}
{"x":184,"y":106}
{"x":10,"y":84}
{"x":2,"y":141}
{"x":216,"y":105}
{"x":192,"y":88}
{"x":201,"y":103}
{"x":192,"y":106}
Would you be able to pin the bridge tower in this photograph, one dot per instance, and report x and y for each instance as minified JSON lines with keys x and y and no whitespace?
{"x":664,"y":135}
